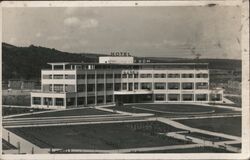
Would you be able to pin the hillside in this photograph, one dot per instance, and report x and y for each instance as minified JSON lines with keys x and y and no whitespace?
{"x":27,"y":62}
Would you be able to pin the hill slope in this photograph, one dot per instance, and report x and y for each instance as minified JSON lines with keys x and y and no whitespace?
{"x":27,"y":62}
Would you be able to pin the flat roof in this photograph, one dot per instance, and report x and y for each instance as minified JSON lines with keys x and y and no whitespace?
{"x":77,"y":63}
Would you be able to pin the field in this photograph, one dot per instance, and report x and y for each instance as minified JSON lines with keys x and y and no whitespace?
{"x":191,"y":150}
{"x":171,"y":110}
{"x":205,"y":136}
{"x":6,"y":145}
{"x":17,"y":110}
{"x":100,"y":136}
{"x":227,"y":125}
{"x":74,"y":112}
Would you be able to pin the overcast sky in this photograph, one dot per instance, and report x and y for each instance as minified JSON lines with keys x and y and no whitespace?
{"x":213,"y":32}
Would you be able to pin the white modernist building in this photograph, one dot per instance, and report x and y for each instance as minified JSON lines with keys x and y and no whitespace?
{"x":68,"y":85}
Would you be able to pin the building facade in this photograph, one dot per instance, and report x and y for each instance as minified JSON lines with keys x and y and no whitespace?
{"x":68,"y":85}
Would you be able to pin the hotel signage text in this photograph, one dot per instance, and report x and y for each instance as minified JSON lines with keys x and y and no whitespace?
{"x":121,"y":54}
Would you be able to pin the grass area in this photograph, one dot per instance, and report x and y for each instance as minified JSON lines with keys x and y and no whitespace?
{"x":227,"y":125}
{"x":238,"y":145}
{"x":16,"y":110}
{"x":236,"y":100}
{"x":6,"y":145}
{"x":74,"y":112}
{"x":176,"y":109}
{"x":205,"y":136}
{"x":100,"y":136}
{"x":191,"y":150}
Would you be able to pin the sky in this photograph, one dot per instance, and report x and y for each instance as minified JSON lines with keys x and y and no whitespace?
{"x":212,"y":32}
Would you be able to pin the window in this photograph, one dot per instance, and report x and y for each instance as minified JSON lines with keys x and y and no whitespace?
{"x":201,"y":85}
{"x":135,"y":86}
{"x":171,"y":75}
{"x":80,"y":87}
{"x":46,"y":76}
{"x":91,"y":100}
{"x":202,"y":75}
{"x":201,"y":97}
{"x":146,"y":75}
{"x":130,"y":76}
{"x":159,"y":75}
{"x":91,"y":76}
{"x":215,"y":97}
{"x":109,"y":98}
{"x":124,"y":86}
{"x":81,"y":76}
{"x":90,"y":87}
{"x":100,"y":76}
{"x":124,"y":75}
{"x":136,"y":75}
{"x":69,"y":76}
{"x":187,"y":97}
{"x":36,"y":100}
{"x":47,"y":101}
{"x":109,"y":76}
{"x":69,"y":88}
{"x":100,"y":87}
{"x":147,"y":86}
{"x":117,"y":75}
{"x":160,"y":85}
{"x":173,"y":86}
{"x":59,"y":101}
{"x":59,"y":76}
{"x":160,"y":97}
{"x":100,"y":99}
{"x":187,"y":86}
{"x":187,"y":75}
{"x":130,"y":86}
{"x":58,"y":87}
{"x":117,"y":86}
{"x":80,"y":100}
{"x":70,"y":101}
{"x":174,"y":97}
{"x":109,"y":86}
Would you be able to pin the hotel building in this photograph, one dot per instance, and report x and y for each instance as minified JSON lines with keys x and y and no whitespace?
{"x":118,"y":79}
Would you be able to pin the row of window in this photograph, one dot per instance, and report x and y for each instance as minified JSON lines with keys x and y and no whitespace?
{"x":109,"y":98}
{"x":59,"y":76}
{"x":163,"y":86}
{"x":70,"y":101}
{"x":188,"y":97}
{"x":128,"y":86}
{"x":108,"y":76}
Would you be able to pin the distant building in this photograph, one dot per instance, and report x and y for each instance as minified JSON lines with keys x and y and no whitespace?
{"x":68,"y":85}
{"x":21,"y":84}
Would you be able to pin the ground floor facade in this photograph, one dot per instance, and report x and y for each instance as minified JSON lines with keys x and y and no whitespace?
{"x":72,"y":100}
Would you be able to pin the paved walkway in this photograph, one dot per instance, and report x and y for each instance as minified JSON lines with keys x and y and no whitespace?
{"x":142,"y":149}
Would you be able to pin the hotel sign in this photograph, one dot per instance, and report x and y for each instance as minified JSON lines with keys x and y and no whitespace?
{"x":120,"y":54}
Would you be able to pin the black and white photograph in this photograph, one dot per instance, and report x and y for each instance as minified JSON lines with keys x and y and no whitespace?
{"x":125,"y":79}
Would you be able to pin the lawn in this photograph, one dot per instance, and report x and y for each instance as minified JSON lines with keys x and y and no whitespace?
{"x":17,"y":110}
{"x":171,"y":110}
{"x":100,"y":136}
{"x":6,"y":145}
{"x":227,"y":125}
{"x":72,"y":112}
{"x":191,"y":150}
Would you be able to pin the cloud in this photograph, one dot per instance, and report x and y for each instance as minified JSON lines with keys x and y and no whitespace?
{"x":72,"y":21}
{"x":38,"y":34}
{"x":54,"y":38}
{"x":89,"y":23}
{"x":82,"y":24}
